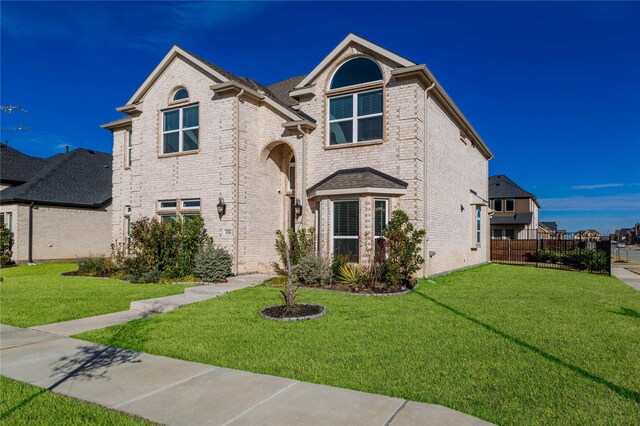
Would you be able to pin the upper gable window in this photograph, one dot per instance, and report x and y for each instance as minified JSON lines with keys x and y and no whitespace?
{"x":356,"y":71}
{"x":180,"y":94}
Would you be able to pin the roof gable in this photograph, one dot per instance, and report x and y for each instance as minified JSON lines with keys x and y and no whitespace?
{"x":502,"y":186}
{"x":17,"y":167}
{"x":175,"y":52}
{"x":335,"y":53}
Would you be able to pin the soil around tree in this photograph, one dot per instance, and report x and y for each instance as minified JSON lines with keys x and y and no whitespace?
{"x":299,"y":311}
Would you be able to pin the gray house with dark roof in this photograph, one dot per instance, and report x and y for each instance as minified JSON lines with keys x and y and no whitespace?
{"x":59,"y":207}
{"x":515,"y":211}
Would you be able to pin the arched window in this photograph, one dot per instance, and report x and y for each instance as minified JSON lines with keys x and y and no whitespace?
{"x":180,"y":94}
{"x":356,"y":71}
{"x":356,"y":117}
{"x":292,"y":174}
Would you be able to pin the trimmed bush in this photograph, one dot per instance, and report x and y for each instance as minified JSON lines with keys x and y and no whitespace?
{"x":312,"y":269}
{"x":95,"y":266}
{"x":152,"y":276}
{"x":212,"y":264}
{"x":403,"y":246}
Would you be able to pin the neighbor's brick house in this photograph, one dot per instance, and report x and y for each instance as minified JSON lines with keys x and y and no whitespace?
{"x":364,"y":133}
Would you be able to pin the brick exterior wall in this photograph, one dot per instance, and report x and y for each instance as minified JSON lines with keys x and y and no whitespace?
{"x":60,"y":233}
{"x":247,"y":136}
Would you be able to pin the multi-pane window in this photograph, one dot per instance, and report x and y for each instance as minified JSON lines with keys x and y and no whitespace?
{"x":7,"y":219}
{"x":345,"y":228}
{"x":129,"y":147}
{"x":165,"y":218}
{"x":168,"y":204}
{"x":185,"y":209}
{"x":180,"y":130}
{"x":504,"y":204}
{"x":503,"y":234}
{"x":192,"y":203}
{"x":478,"y":226}
{"x":355,"y":117}
{"x":381,"y":218}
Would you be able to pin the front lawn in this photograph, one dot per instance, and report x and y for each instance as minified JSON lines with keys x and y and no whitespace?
{"x":24,"y":404}
{"x":36,"y":295}
{"x":509,"y":344}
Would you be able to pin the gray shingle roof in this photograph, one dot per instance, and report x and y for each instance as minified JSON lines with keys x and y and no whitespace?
{"x":358,"y":178}
{"x":80,"y":178}
{"x":552,"y":226}
{"x":515,"y":219}
{"x":282,"y":88}
{"x":502,"y":186}
{"x":17,"y":167}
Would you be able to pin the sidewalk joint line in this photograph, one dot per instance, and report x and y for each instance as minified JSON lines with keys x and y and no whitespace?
{"x":260,"y":403}
{"x":165,"y":387}
{"x":406,"y":401}
{"x":58,"y":336}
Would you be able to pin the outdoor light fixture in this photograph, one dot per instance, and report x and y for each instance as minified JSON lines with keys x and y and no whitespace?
{"x":298,"y":208}
{"x":222,"y":207}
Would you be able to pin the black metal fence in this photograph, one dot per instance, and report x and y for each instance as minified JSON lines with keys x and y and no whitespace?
{"x":572,"y":251}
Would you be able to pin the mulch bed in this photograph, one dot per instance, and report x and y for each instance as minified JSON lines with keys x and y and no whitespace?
{"x":361,"y":289}
{"x":299,"y":310}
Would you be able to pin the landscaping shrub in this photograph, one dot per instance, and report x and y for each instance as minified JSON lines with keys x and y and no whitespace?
{"x":212,"y":264}
{"x":152,"y":276}
{"x":312,"y":269}
{"x":351,"y":274}
{"x":402,"y":248}
{"x":169,"y":247}
{"x":544,"y":256}
{"x":6,"y":244}
{"x":119,"y":275}
{"x":302,"y":244}
{"x":338,"y":261}
{"x":583,"y":258}
{"x":95,"y":266}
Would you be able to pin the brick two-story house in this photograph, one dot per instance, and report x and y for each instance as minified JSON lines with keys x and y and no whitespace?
{"x":365,"y":132}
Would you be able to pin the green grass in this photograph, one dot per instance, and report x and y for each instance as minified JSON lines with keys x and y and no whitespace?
{"x":512,"y":345}
{"x":35,"y":295}
{"x":23,"y":404}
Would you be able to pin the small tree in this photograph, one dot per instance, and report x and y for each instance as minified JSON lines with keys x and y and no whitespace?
{"x":301,"y":243}
{"x":289,"y":293}
{"x":403,"y":248}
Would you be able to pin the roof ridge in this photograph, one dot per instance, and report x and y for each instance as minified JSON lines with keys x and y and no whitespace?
{"x":45,"y":172}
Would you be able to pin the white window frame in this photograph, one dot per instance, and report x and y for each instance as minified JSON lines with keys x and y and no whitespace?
{"x":504,"y":201}
{"x":386,"y":215}
{"x":7,"y":219}
{"x":355,"y":117}
{"x":164,"y":208}
{"x":477,"y":226}
{"x":357,"y":237}
{"x":190,"y":208}
{"x":180,"y":130}
{"x":129,"y":148}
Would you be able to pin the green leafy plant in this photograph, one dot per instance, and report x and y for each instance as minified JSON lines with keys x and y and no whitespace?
{"x":301,"y":244}
{"x":351,"y":274}
{"x":403,"y":246}
{"x":95,"y":266}
{"x":212,"y":263}
{"x":312,"y":270}
{"x":6,"y":244}
{"x":152,"y":276}
{"x":337,"y":262}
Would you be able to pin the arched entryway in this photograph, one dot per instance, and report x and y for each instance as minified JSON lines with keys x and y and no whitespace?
{"x":279,"y":166}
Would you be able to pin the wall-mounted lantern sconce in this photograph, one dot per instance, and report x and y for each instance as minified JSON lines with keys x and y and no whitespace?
{"x":298,"y":208}
{"x":222,"y":207}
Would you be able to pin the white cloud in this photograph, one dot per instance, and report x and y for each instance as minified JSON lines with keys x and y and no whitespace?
{"x":598,"y":186}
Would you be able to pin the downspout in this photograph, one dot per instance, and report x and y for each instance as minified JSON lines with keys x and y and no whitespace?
{"x":304,"y":172}
{"x":424,"y":180}
{"x":237,"y":195}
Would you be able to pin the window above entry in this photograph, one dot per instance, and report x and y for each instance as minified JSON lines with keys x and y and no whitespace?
{"x":180,"y":130}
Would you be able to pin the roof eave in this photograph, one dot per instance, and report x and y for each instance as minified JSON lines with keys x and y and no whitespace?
{"x":117,"y":124}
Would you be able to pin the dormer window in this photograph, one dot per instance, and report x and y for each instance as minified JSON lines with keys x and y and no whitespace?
{"x":180,"y":94}
{"x":357,"y":116}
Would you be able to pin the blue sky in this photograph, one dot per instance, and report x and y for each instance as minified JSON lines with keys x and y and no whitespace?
{"x":553,"y":88}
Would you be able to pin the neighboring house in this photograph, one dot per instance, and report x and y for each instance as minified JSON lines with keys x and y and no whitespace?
{"x":364,"y":133}
{"x":549,"y":230}
{"x":58,"y":208}
{"x":515,"y":211}
{"x":628,"y":235}
{"x":587,"y":235}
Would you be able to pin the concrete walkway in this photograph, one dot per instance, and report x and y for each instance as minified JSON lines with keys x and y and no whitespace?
{"x":142,"y":308}
{"x":627,"y":277}
{"x":175,"y":392}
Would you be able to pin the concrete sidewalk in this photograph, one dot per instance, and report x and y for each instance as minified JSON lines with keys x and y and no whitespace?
{"x":175,"y":392}
{"x":142,"y":308}
{"x":627,"y":277}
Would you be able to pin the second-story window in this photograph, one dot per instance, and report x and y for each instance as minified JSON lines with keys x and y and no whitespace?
{"x":180,"y":130}
{"x":357,"y":116}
